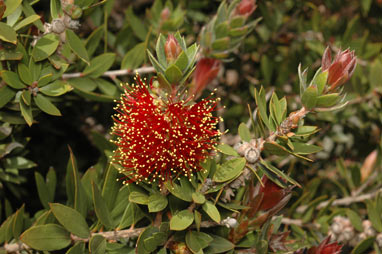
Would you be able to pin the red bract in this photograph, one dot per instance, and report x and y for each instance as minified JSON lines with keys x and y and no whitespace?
{"x":160,"y":139}
{"x":206,"y":70}
{"x":341,"y":69}
{"x":273,"y":194}
{"x":325,"y":248}
{"x":172,"y":48}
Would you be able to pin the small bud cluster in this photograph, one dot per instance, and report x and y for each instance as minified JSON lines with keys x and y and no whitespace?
{"x":342,"y":231}
{"x":229,"y":222}
{"x":249,"y":150}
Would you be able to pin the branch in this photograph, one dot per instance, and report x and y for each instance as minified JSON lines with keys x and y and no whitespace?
{"x":112,"y":74}
{"x":343,"y":201}
{"x":108,"y":235}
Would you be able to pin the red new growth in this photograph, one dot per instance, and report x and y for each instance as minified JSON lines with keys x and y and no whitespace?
{"x":159,"y":139}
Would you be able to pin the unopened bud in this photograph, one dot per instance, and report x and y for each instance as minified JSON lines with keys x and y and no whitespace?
{"x":379,"y":240}
{"x":366,"y":224}
{"x":246,"y":7}
{"x":336,"y":228}
{"x":165,"y":14}
{"x":229,"y":222}
{"x":172,"y":48}
{"x":58,"y":26}
{"x":252,"y":155}
{"x":348,"y":233}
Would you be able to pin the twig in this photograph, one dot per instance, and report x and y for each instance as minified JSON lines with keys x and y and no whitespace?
{"x":297,"y":222}
{"x":113,"y":73}
{"x":343,"y":201}
{"x":108,"y":235}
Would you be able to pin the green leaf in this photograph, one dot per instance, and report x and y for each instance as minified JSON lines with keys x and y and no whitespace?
{"x":212,"y":211}
{"x":7,"y":33}
{"x":93,"y":41}
{"x":100,"y":207}
{"x":45,"y":47}
{"x":26,"y":21}
{"x":12,"y":79}
{"x":134,"y":57}
{"x":275,"y":148}
{"x":139,"y":198}
{"x":159,"y":49}
{"x":362,"y":246}
{"x":18,"y":222}
{"x":55,"y":9}
{"x":45,"y":105}
{"x":51,"y":182}
{"x":6,"y":95}
{"x":47,"y":237}
{"x":24,"y":74}
{"x":77,"y":46}
{"x":182,"y":61}
{"x":19,"y":163}
{"x":309,"y":97}
{"x":229,"y":170}
{"x":56,"y":88}
{"x":26,"y":112}
{"x":11,"y":5}
{"x":107,"y":87}
{"x":99,"y":65}
{"x":198,"y":198}
{"x":244,"y":132}
{"x":181,"y":220}
{"x":319,"y":80}
{"x":327,"y":100}
{"x":355,"y":219}
{"x":173,"y":74}
{"x":78,"y":247}
{"x":111,"y":186}
{"x":279,"y":173}
{"x":75,"y":191}
{"x":221,"y":44}
{"x":180,"y":191}
{"x":304,"y":148}
{"x":227,"y":149}
{"x":302,"y":78}
{"x":42,"y":190}
{"x":136,"y":24}
{"x":197,"y":241}
{"x":141,"y":247}
{"x":26,"y":96}
{"x":131,"y":215}
{"x":71,"y":219}
{"x":374,"y":216}
{"x":10,"y":54}
{"x":157,"y":202}
{"x":219,"y":245}
{"x":266,"y":66}
{"x":262,"y":107}
{"x":97,"y":245}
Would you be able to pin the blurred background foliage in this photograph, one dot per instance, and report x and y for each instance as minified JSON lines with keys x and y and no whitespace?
{"x":116,"y":35}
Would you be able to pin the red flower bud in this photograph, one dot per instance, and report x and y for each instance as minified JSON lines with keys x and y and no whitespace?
{"x":165,"y":14}
{"x":206,"y":70}
{"x":273,"y":194}
{"x":341,"y":69}
{"x":172,"y":48}
{"x":246,"y":7}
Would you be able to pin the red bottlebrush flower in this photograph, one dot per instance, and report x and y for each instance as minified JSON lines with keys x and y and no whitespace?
{"x":325,"y":248}
{"x":172,"y":48}
{"x":246,"y":7}
{"x":206,"y":70}
{"x":273,"y":194}
{"x":341,"y":69}
{"x":159,"y":139}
